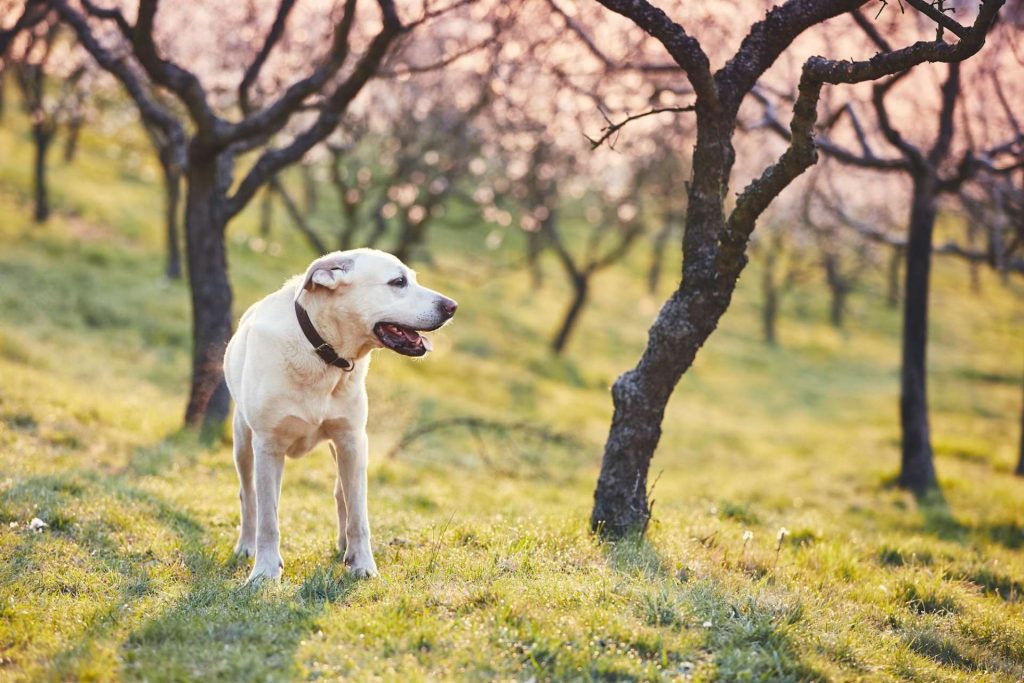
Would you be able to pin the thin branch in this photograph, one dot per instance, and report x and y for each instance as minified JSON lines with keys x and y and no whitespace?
{"x":612,"y":128}
{"x":275,"y":116}
{"x":818,"y":71}
{"x":683,"y":48}
{"x":273,"y":160}
{"x":943,"y":20}
{"x":273,"y":36}
{"x":605,"y":60}
{"x":183,"y":83}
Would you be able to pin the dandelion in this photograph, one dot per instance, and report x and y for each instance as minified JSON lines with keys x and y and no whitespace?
{"x":748,"y":536}
{"x":780,"y":537}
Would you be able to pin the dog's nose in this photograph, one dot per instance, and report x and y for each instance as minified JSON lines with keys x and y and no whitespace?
{"x":447,"y":306}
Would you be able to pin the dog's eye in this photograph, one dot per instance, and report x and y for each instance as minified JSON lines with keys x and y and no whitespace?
{"x":399,"y":282}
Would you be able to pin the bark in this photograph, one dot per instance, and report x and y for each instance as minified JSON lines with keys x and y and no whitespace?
{"x":71,"y":141}
{"x":917,"y":469}
{"x":412,"y":236}
{"x":172,"y":198}
{"x":687,"y":319}
{"x":892,"y":295}
{"x":42,"y":135}
{"x":769,"y":307}
{"x":205,"y":222}
{"x":839,"y":289}
{"x":534,"y":248}
{"x":580,"y":288}
{"x":1020,"y":457}
{"x":314,"y":241}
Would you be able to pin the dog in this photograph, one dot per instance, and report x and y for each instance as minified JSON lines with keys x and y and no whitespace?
{"x":296,"y":369}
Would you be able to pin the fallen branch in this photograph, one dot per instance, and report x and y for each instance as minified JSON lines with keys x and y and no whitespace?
{"x":474,"y":424}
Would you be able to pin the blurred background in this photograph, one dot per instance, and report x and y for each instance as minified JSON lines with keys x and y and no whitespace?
{"x":161,"y":171}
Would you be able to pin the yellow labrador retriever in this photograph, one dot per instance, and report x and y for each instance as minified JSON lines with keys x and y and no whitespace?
{"x":296,"y":369}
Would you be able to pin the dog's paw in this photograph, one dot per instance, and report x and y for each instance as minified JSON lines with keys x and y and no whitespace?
{"x":361,"y":566}
{"x":243,"y":549}
{"x":265,"y":571}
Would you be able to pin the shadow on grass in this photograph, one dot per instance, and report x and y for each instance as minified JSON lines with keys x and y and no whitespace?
{"x":216,"y":630}
{"x":748,"y":634}
{"x":938,"y":519}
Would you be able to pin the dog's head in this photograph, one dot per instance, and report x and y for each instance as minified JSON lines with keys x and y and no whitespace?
{"x":373,"y":295}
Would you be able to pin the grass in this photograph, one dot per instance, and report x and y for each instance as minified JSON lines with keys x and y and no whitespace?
{"x":488,"y":571}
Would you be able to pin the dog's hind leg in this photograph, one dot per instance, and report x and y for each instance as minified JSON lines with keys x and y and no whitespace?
{"x":339,"y":499}
{"x":246,"y":545}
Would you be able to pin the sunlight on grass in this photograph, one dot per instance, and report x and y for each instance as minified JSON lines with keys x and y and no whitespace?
{"x":488,"y":571}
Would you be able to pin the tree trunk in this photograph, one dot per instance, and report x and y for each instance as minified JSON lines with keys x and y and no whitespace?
{"x":770,"y":301}
{"x":837,"y":307}
{"x":838,"y":289}
{"x":892,"y":295}
{"x":580,"y":286}
{"x":917,"y":469}
{"x":71,"y":141}
{"x":1020,"y":458}
{"x":42,"y":136}
{"x":534,"y":247}
{"x":172,"y":197}
{"x":687,"y":319}
{"x":205,"y":223}
{"x":314,"y":241}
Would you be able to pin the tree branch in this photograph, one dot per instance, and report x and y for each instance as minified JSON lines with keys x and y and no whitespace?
{"x":273,"y":36}
{"x":273,"y":160}
{"x":149,"y":109}
{"x":818,"y":71}
{"x":274,"y":117}
{"x":183,"y":83}
{"x":683,"y":48}
{"x":769,"y":38}
{"x":612,"y":128}
{"x":943,"y":20}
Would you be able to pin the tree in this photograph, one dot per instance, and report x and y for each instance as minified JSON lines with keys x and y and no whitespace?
{"x":935,"y":168}
{"x":214,"y":141}
{"x":609,"y":217}
{"x":715,"y":241}
{"x":51,"y":94}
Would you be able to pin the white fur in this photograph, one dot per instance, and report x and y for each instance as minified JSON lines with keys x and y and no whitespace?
{"x":287,"y":400}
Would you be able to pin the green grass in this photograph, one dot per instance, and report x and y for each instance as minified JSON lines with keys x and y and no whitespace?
{"x":488,"y":571}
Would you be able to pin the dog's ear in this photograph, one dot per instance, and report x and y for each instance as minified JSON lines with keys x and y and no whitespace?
{"x":329,"y":271}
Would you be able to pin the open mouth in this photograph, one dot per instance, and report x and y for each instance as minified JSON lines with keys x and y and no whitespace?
{"x":401,"y":339}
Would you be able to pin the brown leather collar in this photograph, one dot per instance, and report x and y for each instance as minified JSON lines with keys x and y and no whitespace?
{"x":320,"y":346}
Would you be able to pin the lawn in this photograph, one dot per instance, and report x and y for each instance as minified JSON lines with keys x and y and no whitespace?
{"x":780,"y":549}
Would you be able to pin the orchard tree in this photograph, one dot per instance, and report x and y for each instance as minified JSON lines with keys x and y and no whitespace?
{"x":715,"y":240}
{"x":936,"y":163}
{"x":214,"y":136}
{"x":52,"y":75}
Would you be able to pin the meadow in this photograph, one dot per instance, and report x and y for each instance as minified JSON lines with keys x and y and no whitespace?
{"x":780,"y":548}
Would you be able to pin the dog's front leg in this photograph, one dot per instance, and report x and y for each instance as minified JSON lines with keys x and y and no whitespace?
{"x":269,"y":465}
{"x":339,"y":499}
{"x":352,"y":457}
